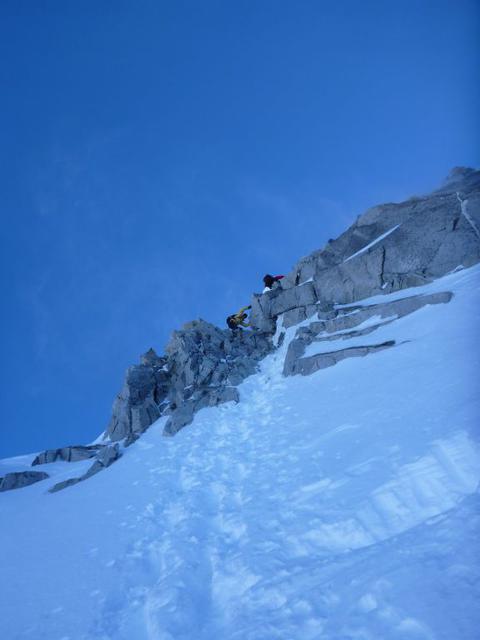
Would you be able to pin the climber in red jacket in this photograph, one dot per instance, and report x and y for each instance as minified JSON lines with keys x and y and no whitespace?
{"x":269,"y":281}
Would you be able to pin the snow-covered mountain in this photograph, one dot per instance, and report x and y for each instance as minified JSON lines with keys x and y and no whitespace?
{"x":322,"y":482}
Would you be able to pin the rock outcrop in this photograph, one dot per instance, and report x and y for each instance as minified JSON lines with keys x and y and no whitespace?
{"x":343,"y":320}
{"x":68,"y":454}
{"x":205,"y":364}
{"x":142,"y":398}
{"x":390,"y":247}
{"x":201,"y":368}
{"x":106,"y":457}
{"x":19,"y":479}
{"x":307,"y":366}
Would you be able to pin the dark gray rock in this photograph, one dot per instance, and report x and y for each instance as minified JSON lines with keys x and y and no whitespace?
{"x":205,"y":363}
{"x":184,"y":415}
{"x":295,"y":316}
{"x":107,"y":456}
{"x":64,"y":484}
{"x":68,"y":454}
{"x":288,"y":299}
{"x":307,"y":366}
{"x":131,"y":438}
{"x":260,"y":314}
{"x":151,"y":359}
{"x":200,"y":368}
{"x":347,"y":335}
{"x":19,"y":479}
{"x":350,"y":317}
{"x":142,"y":399}
{"x":293,"y":301}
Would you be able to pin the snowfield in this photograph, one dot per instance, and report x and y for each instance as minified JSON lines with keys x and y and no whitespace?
{"x":339,"y":506}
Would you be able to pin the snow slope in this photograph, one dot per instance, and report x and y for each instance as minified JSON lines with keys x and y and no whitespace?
{"x":339,"y":506}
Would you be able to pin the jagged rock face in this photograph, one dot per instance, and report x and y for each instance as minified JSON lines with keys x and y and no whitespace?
{"x":19,"y":479}
{"x":202,"y":365}
{"x":140,"y":401}
{"x":298,"y":302}
{"x":412,"y":243}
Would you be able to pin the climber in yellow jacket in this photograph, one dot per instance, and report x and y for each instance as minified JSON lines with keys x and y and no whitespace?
{"x":238,"y":319}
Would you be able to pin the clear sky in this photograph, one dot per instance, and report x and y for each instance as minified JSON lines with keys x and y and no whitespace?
{"x":157,"y":158}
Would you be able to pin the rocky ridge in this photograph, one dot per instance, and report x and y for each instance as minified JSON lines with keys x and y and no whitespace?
{"x":389,"y":248}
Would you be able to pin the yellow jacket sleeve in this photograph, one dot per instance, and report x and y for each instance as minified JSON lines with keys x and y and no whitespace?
{"x":242,"y":311}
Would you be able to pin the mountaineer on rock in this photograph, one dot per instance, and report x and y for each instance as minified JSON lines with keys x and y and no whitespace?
{"x":269,"y":281}
{"x":238,"y":319}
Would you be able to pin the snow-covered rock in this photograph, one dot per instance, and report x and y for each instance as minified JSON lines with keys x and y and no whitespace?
{"x":202,"y":365}
{"x":104,"y":458}
{"x":338,"y":327}
{"x":19,"y":479}
{"x":68,"y":454}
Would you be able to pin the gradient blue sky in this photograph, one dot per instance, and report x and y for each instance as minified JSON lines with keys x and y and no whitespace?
{"x":157,"y":158}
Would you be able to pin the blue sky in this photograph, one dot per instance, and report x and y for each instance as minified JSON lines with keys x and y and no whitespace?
{"x":157,"y":158}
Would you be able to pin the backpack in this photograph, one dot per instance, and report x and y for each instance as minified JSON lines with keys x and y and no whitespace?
{"x":231,"y":323}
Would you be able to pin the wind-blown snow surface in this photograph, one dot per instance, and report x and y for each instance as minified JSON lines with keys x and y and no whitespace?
{"x":338,"y":506}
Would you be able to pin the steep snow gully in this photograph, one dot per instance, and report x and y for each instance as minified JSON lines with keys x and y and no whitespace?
{"x":325,"y":488}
